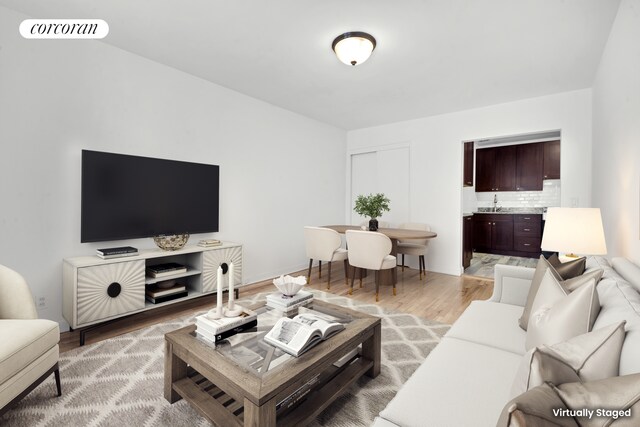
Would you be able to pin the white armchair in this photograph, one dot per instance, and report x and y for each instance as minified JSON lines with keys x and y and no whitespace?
{"x":323,"y":244}
{"x":370,"y":251}
{"x":417,"y":247}
{"x":29,"y":351}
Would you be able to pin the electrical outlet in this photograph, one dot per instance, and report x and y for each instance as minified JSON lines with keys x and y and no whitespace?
{"x":575,"y":202}
{"x":41,"y":302}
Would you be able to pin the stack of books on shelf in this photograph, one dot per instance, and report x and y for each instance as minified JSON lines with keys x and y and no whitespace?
{"x":123,"y":251}
{"x":156,"y":294}
{"x":207,"y":243}
{"x":288,"y":304}
{"x":215,"y":330}
{"x":166,"y":269}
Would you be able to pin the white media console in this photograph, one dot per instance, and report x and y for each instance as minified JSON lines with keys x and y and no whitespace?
{"x":97,"y":290}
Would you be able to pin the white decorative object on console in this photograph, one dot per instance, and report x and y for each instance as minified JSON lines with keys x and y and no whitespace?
{"x":96,"y":290}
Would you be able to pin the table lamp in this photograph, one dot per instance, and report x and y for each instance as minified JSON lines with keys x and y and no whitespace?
{"x":574,"y":231}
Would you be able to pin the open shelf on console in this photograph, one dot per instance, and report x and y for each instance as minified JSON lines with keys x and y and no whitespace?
{"x":190,"y":272}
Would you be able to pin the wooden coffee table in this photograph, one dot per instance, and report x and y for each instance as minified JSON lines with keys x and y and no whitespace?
{"x":230,"y":388}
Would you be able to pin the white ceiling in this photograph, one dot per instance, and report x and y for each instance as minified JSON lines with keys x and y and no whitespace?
{"x":432,"y":57}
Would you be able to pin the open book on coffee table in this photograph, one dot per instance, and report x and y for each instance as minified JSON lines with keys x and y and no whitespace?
{"x":297,"y":335}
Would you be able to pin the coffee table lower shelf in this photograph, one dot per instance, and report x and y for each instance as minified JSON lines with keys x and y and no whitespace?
{"x":221,"y":409}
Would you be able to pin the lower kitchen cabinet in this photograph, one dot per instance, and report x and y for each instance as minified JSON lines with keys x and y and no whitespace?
{"x":467,"y":240}
{"x":507,"y":234}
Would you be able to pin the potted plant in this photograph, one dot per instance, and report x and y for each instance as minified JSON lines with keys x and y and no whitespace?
{"x":372,"y":206}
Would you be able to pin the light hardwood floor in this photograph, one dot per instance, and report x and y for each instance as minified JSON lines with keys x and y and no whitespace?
{"x":438,"y":297}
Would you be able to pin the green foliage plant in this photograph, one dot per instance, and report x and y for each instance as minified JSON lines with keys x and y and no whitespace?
{"x":372,"y":206}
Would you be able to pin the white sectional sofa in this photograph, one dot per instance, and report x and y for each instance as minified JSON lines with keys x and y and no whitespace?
{"x":467,"y":378}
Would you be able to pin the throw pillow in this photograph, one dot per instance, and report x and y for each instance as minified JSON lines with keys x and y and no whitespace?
{"x":568,"y":269}
{"x":535,"y":409}
{"x":569,"y":285}
{"x":613,"y":401}
{"x":556,"y":316}
{"x":574,"y":283}
{"x":541,"y":268}
{"x":587,"y":357}
{"x":616,"y":398}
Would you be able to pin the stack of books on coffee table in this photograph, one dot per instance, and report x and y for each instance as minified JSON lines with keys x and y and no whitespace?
{"x":215,"y":330}
{"x":288,"y":304}
{"x":155,"y":294}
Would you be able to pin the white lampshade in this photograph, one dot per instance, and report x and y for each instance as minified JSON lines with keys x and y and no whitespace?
{"x":354,"y":48}
{"x":574,"y":230}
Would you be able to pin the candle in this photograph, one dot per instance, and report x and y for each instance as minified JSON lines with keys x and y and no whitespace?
{"x":232,"y":296}
{"x":219,"y":300}
{"x":218,"y":312}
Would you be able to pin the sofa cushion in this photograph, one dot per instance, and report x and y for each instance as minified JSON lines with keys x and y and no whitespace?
{"x":619,"y":301}
{"x":587,"y":357}
{"x":23,"y":341}
{"x":491,"y":323}
{"x":556,"y":317}
{"x":461,"y":383}
{"x":628,"y":270}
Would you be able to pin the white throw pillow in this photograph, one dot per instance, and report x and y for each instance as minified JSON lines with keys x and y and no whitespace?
{"x":556,"y":316}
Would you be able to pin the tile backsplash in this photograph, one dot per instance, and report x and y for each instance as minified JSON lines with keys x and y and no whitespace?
{"x":549,"y":196}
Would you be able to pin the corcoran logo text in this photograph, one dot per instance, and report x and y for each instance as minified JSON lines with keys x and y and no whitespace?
{"x":64,"y":29}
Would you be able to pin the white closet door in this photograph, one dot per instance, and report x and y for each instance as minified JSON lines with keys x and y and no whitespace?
{"x":383,"y":171}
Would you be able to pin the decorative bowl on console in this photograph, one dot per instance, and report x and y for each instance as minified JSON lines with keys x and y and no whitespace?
{"x":171,"y":242}
{"x":290,"y":285}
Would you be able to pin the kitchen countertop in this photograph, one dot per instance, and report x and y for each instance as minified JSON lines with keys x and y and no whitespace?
{"x":511,"y":211}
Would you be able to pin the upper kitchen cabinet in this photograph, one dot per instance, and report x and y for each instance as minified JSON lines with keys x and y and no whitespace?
{"x":496,"y":169}
{"x":467,"y":179}
{"x":551,"y":160}
{"x":529,"y":166}
{"x":520,"y":167}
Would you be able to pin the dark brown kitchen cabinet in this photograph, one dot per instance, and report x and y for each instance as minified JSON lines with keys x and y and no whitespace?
{"x":512,"y":168}
{"x":529,"y":166}
{"x":467,"y":241}
{"x":467,"y":179}
{"x":527,"y":230}
{"x":507,"y":234}
{"x":496,"y":169}
{"x":505,"y":168}
{"x":551,"y":160}
{"x":492,"y":232}
{"x":485,"y":159}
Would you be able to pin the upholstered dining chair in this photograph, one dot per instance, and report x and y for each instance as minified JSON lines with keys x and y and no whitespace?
{"x":417,"y":247}
{"x":29,"y":346}
{"x":323,"y":244}
{"x":369,"y":250}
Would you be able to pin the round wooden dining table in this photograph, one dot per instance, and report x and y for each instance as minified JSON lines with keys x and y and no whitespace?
{"x":394,"y":234}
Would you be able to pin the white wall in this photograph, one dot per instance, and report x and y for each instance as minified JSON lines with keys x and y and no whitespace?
{"x":616,"y":134}
{"x":279,"y":170}
{"x":436,"y":158}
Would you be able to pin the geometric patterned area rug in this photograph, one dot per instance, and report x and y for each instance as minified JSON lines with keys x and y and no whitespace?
{"x":119,"y":381}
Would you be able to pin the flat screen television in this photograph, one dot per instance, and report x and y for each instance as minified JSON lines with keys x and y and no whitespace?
{"x":127,"y":197}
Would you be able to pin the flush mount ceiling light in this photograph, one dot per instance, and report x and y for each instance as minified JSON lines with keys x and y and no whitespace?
{"x":354,"y":48}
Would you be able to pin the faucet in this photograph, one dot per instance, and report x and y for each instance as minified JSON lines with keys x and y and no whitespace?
{"x":495,"y":203}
